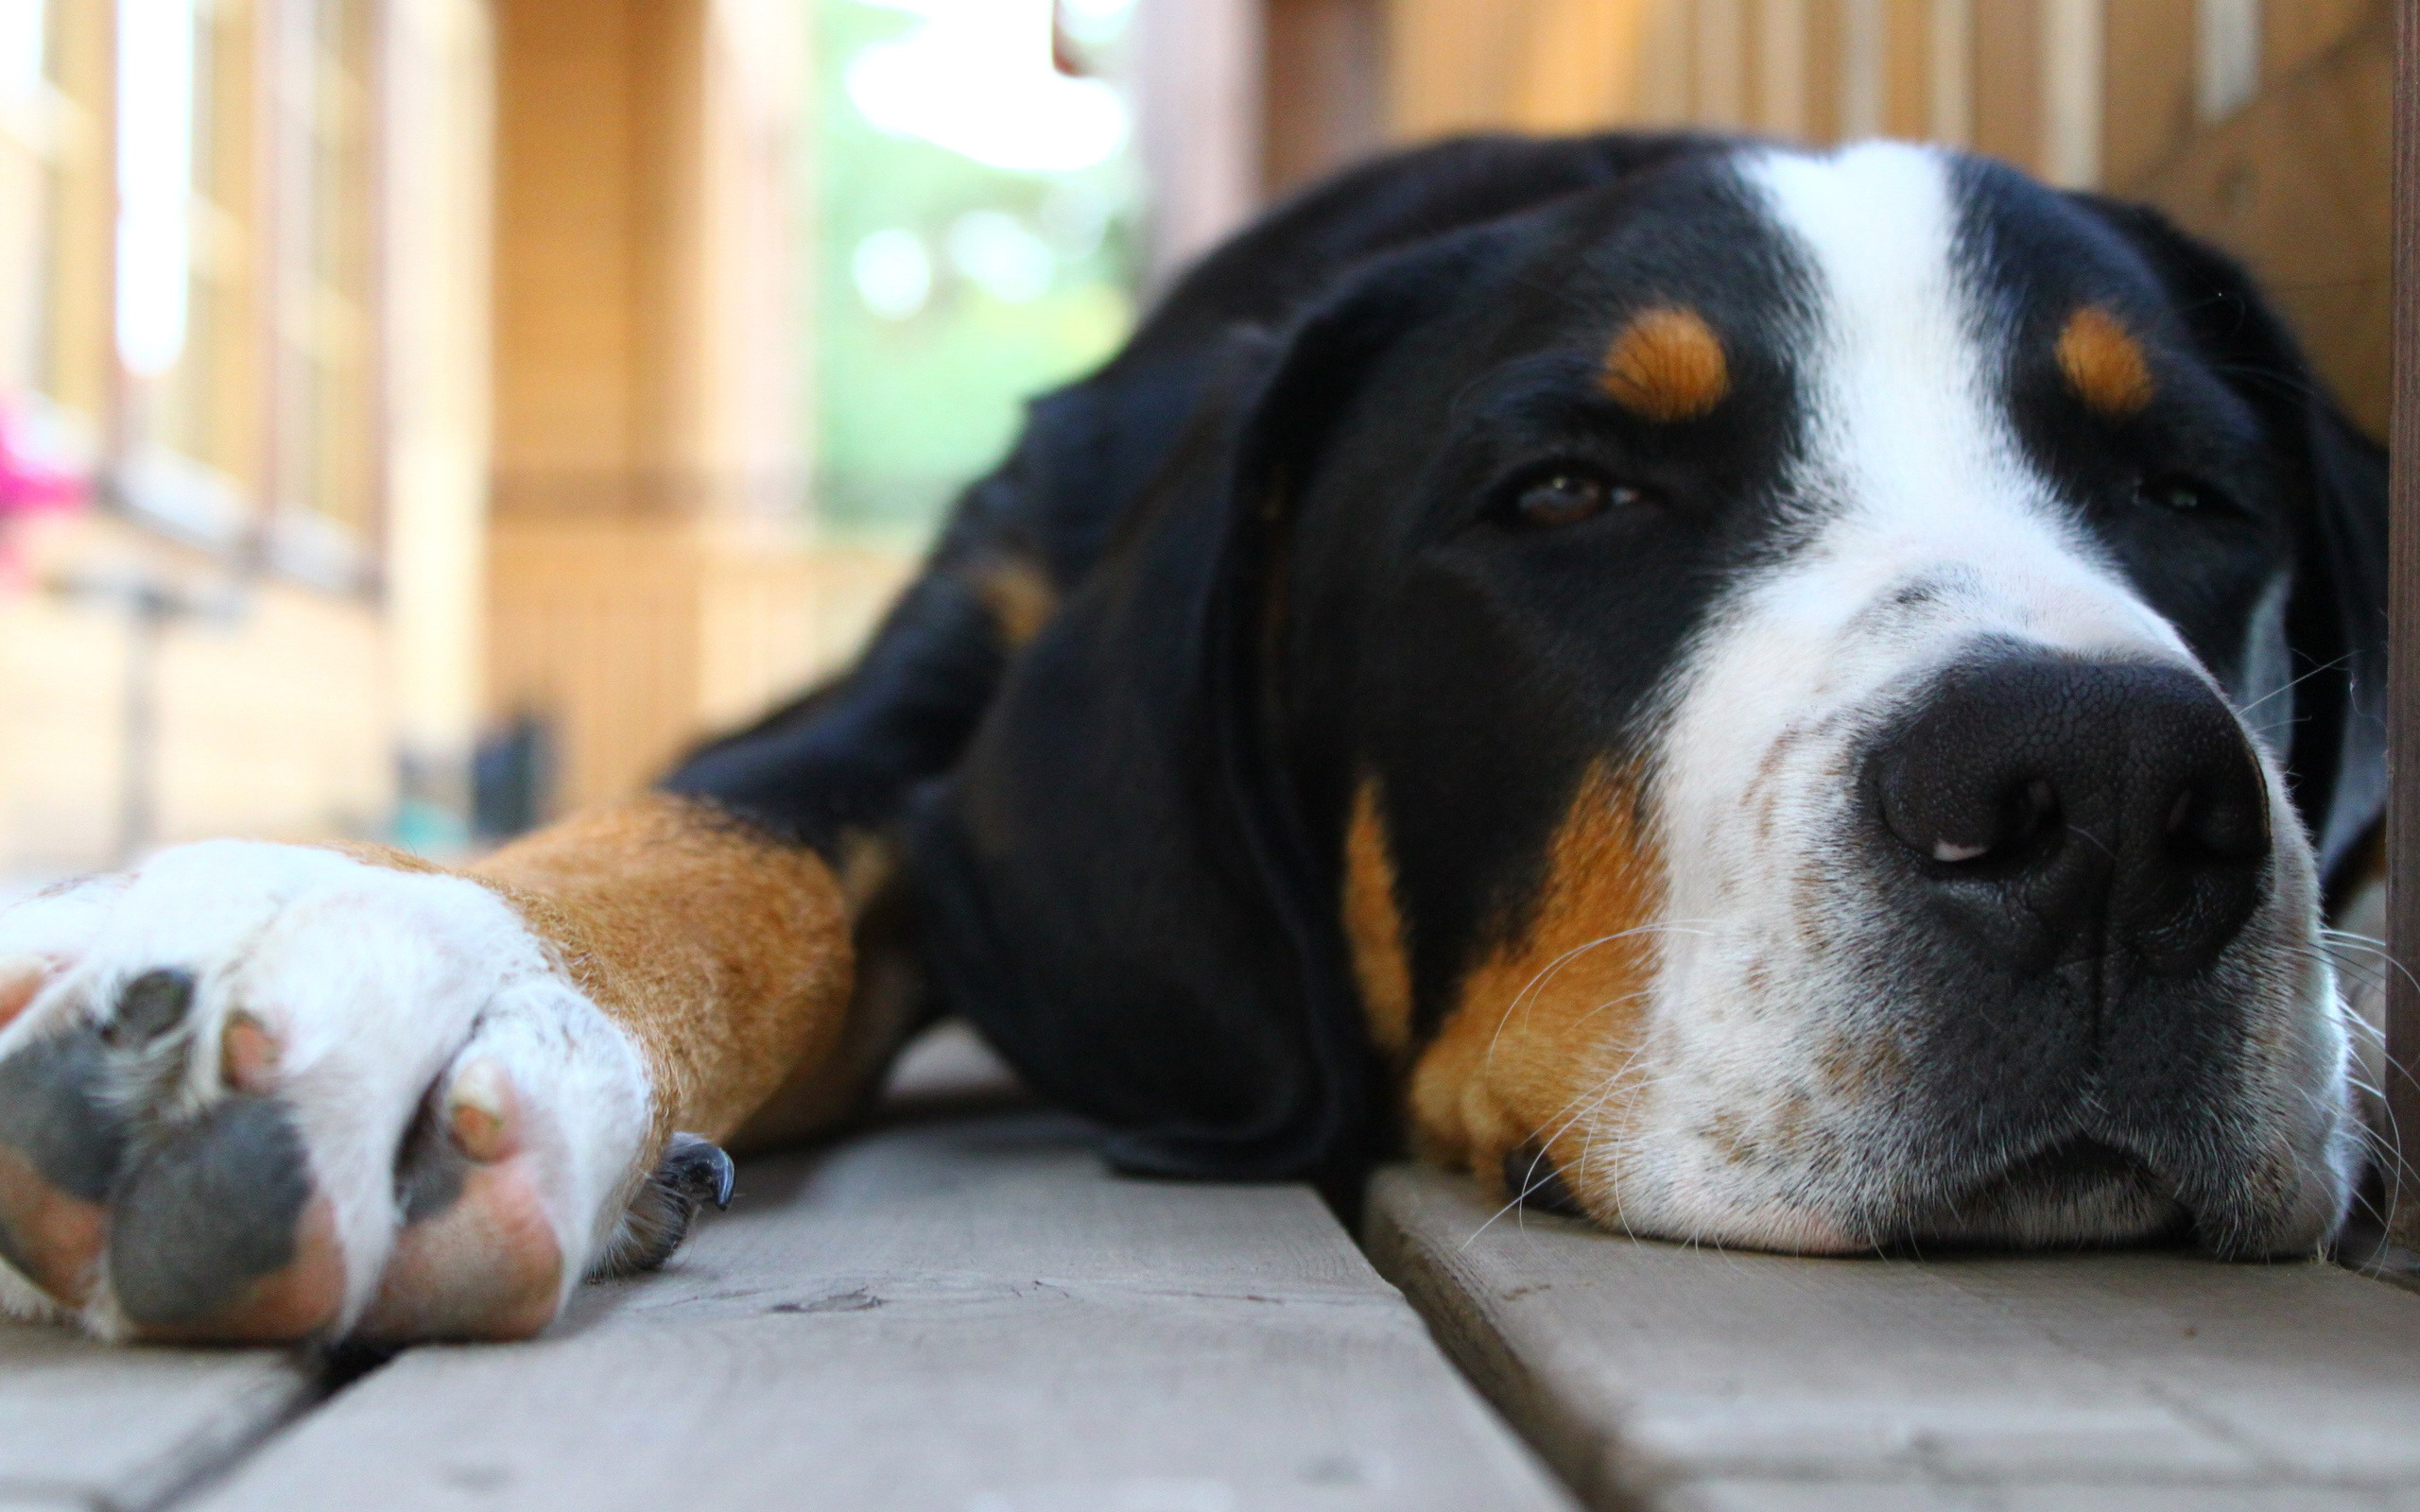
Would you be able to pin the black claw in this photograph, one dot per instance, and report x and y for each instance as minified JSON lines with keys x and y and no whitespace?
{"x":698,"y":1170}
{"x":208,"y":1210}
{"x":56,"y":1111}
{"x":693,"y":1173}
{"x":150,"y":1006}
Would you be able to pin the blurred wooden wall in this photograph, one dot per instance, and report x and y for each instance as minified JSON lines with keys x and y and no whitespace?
{"x":2260,"y":124}
{"x":651,"y":575}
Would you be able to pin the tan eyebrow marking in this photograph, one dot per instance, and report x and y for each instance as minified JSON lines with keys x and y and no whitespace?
{"x":2104,"y":364}
{"x":1666,"y":365}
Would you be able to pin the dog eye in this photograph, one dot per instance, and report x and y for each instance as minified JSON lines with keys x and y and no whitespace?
{"x":2181,"y":495}
{"x":1567,"y":497}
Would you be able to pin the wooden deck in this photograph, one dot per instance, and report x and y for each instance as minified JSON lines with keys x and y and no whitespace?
{"x":959,"y":1310}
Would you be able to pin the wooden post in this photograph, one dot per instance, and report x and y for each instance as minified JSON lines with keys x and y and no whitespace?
{"x":2403,"y":677}
{"x":1201,"y":65}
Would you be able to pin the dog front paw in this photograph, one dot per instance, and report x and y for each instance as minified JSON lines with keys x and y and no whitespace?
{"x":255,"y":1092}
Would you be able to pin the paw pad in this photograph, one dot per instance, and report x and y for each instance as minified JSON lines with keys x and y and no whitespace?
{"x":216,"y":1230}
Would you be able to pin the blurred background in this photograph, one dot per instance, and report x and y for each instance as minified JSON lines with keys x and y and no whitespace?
{"x":418,"y":417}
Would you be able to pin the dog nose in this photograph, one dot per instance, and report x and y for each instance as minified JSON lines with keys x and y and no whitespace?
{"x":2057,"y":810}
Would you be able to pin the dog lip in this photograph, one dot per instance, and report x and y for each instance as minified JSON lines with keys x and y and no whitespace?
{"x":2077,"y":1157}
{"x":2036,"y":1201}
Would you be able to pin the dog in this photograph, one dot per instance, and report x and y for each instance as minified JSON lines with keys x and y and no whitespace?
{"x":1805,"y":700}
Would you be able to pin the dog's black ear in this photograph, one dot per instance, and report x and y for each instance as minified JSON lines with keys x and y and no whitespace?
{"x":1121,"y":891}
{"x":2336,"y":620}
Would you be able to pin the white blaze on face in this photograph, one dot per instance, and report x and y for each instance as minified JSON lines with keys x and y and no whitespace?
{"x":1920,"y":527}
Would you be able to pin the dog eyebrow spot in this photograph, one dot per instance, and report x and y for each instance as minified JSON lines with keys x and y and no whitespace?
{"x":2104,"y":364}
{"x":1666,"y":365}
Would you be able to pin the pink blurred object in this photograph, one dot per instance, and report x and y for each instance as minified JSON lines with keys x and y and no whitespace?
{"x":29,"y":484}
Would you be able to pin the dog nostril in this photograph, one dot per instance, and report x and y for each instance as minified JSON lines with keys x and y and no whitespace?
{"x":2015,"y":826}
{"x":2223,"y":828}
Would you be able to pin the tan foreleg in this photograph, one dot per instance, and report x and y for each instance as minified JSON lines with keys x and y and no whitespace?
{"x":725,"y":955}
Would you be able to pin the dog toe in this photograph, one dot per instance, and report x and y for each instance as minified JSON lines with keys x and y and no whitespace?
{"x":22,"y":977}
{"x":477,"y":1257}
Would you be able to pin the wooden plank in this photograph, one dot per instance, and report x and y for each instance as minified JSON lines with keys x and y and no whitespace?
{"x":1665,"y":1377}
{"x":967,"y":1315}
{"x":2403,"y":615}
{"x":122,"y":1430}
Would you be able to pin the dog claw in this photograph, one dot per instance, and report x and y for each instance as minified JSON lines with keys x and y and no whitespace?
{"x":693,"y":1172}
{"x":698,"y":1170}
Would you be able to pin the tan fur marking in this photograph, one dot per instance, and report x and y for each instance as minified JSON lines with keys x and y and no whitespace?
{"x":1020,"y":596}
{"x":888,"y":1003}
{"x":1548,"y":1022}
{"x":724,"y":953}
{"x":1666,"y":365}
{"x":2104,"y":364}
{"x":1374,"y":921}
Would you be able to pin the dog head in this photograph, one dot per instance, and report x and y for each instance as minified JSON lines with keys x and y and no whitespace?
{"x":1811,"y":699}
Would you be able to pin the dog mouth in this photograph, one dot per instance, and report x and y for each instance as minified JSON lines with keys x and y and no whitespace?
{"x":2077,"y":1193}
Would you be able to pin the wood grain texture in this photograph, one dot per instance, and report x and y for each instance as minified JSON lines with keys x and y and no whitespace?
{"x":2295,"y":184}
{"x":119,"y":1430}
{"x":2403,"y":614}
{"x":1663,"y":1377}
{"x":962,"y":1315}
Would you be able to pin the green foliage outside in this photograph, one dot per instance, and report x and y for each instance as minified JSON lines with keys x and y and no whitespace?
{"x":914,"y":402}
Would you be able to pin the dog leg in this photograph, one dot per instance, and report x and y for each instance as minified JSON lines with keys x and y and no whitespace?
{"x":254,"y":1091}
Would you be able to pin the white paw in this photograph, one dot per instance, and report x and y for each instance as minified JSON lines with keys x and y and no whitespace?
{"x":260,"y":1092}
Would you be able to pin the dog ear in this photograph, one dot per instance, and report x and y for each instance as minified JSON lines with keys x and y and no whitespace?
{"x":2335,"y":625}
{"x":1124,"y":896}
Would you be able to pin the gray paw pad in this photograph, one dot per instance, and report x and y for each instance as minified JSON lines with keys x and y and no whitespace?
{"x":206,"y":1210}
{"x":55,"y":1111}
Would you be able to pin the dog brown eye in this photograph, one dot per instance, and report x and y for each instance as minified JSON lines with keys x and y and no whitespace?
{"x":1567,"y":498}
{"x":2183,"y":495}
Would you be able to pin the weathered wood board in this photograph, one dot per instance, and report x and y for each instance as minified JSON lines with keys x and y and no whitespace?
{"x":970,"y":1317}
{"x":1672,"y":1378}
{"x":121,"y":1429}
